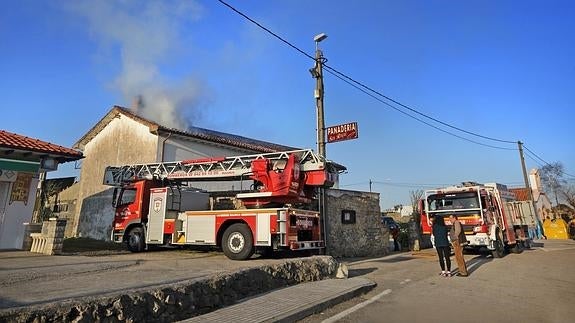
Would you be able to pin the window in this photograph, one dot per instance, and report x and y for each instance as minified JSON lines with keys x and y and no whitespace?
{"x":347,"y":216}
{"x":127,"y":196}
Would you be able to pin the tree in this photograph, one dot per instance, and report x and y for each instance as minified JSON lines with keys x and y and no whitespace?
{"x":552,"y":179}
{"x":415,"y":196}
{"x":568,"y":194}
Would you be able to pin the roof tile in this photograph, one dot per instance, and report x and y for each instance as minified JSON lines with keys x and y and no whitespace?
{"x":15,"y":141}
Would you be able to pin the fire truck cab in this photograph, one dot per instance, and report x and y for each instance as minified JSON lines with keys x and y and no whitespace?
{"x":484,"y":211}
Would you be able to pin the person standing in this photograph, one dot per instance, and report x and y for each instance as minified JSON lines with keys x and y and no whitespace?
{"x":457,"y":236}
{"x":439,"y":231}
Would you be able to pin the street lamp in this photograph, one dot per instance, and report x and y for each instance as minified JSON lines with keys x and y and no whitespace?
{"x":317,"y":73}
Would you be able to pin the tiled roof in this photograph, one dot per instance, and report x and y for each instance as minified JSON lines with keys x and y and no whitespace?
{"x":192,"y":132}
{"x":18,"y":142}
{"x":521,"y":194}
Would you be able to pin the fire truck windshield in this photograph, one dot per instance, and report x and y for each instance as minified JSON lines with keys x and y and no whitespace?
{"x":455,"y":201}
{"x":127,"y":196}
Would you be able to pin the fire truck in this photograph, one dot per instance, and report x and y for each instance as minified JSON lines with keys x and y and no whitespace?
{"x":490,"y":216}
{"x":155,"y":204}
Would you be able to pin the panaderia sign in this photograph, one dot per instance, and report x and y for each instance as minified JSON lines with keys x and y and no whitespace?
{"x":342,"y":132}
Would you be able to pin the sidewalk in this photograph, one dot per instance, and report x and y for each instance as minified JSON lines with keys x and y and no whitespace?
{"x":291,"y":303}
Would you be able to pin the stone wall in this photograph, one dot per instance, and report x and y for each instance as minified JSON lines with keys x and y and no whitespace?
{"x":353,"y":224}
{"x":179,"y":301}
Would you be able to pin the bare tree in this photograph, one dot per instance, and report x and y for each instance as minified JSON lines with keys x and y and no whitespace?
{"x":568,"y":193}
{"x":552,"y":179}
{"x":415,"y":196}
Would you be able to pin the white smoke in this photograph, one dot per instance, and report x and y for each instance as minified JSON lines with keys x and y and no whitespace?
{"x":146,"y":34}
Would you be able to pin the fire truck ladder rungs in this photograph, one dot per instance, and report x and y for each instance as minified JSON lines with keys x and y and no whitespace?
{"x":207,"y":168}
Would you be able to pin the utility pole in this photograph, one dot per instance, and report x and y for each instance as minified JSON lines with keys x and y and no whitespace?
{"x":526,"y":178}
{"x":317,"y":73}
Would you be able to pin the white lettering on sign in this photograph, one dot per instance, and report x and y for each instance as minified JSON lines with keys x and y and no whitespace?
{"x":304,"y":223}
{"x":342,"y":132}
{"x":342,"y":128}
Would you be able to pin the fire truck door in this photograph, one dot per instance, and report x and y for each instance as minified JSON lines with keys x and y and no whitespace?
{"x":156,"y":216}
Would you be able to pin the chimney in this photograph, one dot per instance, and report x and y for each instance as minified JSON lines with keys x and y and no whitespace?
{"x":137,"y":104}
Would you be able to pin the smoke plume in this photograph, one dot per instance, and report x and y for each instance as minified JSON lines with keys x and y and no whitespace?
{"x":145,"y":34}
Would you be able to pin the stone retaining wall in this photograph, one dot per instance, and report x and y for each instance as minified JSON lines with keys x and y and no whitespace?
{"x":178,"y":301}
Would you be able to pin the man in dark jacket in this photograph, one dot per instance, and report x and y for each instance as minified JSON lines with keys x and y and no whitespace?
{"x":457,"y":236}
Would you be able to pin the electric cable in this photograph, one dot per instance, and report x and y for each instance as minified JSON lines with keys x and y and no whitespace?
{"x":546,"y":163}
{"x":414,"y":117}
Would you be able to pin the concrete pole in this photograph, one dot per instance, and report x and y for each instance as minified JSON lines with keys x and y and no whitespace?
{"x":319,"y":60}
{"x":526,"y":179}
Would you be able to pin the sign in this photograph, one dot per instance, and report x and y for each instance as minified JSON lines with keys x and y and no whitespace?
{"x":342,"y":132}
{"x":21,"y":188}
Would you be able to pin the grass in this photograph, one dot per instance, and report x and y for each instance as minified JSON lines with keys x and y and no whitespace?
{"x":71,"y":245}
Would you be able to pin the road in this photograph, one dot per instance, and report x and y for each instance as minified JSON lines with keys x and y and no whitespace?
{"x":537,"y":285}
{"x":28,"y":279}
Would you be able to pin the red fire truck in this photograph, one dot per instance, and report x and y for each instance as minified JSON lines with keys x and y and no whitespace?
{"x":154,"y":205}
{"x":490,"y":217}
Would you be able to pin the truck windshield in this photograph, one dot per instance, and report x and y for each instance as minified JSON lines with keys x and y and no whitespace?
{"x":127,"y":196}
{"x":456,"y":201}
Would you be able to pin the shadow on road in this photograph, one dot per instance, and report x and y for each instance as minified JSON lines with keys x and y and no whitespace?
{"x":474,"y":263}
{"x":360,"y":272}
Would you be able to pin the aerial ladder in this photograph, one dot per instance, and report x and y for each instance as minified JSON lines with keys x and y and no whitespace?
{"x":281,"y":177}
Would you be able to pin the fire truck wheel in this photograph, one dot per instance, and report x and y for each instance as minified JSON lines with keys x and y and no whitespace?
{"x":518,"y":248}
{"x":499,"y":251}
{"x":238,"y":243}
{"x":136,"y":240}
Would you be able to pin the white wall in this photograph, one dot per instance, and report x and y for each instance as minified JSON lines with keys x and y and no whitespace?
{"x":122,"y":141}
{"x":13,"y":215}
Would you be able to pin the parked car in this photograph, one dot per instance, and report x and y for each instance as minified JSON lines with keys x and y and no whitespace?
{"x":390,"y":223}
{"x":393,"y":230}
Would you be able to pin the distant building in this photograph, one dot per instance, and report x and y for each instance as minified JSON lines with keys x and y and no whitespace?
{"x":23,"y":165}
{"x":541,"y":200}
{"x":61,"y":200}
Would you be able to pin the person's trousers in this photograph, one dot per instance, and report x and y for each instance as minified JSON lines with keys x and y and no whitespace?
{"x":444,"y":254}
{"x":458,"y":251}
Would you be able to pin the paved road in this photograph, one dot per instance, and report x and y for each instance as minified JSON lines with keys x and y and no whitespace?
{"x":537,"y":285}
{"x":27,"y":278}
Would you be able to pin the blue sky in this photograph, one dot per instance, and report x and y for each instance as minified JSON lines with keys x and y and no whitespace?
{"x":501,"y":69}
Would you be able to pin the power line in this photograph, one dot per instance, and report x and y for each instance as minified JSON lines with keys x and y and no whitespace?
{"x":544,"y":162}
{"x":363,"y":88}
{"x":413,"y":110}
{"x":266,"y":29}
{"x":414,"y":117}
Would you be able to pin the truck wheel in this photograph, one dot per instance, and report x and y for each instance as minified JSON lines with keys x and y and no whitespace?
{"x":518,"y":247}
{"x":238,"y":243}
{"x":499,"y":251}
{"x":136,"y":241}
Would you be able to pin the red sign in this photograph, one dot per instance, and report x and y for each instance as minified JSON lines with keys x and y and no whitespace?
{"x":342,"y":132}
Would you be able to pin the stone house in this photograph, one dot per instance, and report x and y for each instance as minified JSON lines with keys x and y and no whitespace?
{"x":24,"y":162}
